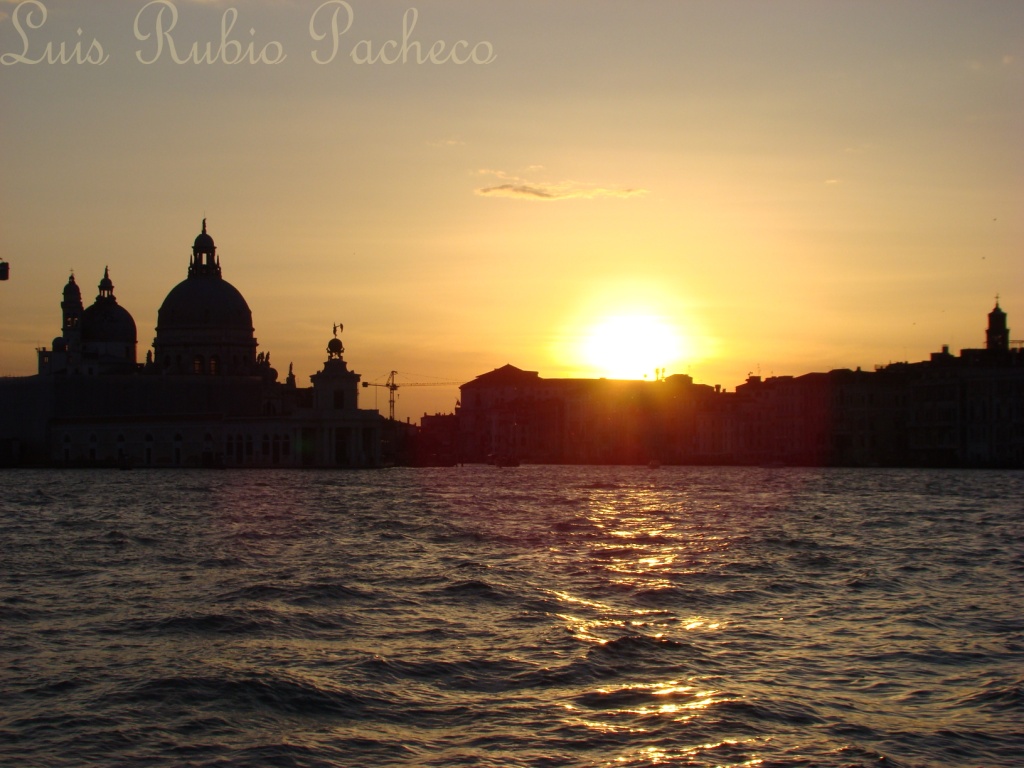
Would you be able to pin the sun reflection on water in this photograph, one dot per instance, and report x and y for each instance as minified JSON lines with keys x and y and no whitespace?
{"x":656,"y":755}
{"x":650,"y":549}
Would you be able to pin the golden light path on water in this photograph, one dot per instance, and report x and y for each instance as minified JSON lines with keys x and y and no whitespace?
{"x":643,"y":552}
{"x":569,"y":617}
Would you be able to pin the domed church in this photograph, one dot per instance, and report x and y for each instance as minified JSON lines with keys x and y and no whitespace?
{"x":203,"y":397}
{"x":204,"y":325}
{"x":98,"y":340}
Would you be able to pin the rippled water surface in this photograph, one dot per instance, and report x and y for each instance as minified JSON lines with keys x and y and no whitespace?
{"x":536,"y":616}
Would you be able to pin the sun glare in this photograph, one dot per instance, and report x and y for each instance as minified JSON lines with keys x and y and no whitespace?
{"x":631,"y":346}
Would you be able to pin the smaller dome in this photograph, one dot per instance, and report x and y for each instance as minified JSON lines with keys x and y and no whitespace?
{"x":334,"y":347}
{"x":107,"y":321}
{"x":60,"y":344}
{"x":203,"y":243}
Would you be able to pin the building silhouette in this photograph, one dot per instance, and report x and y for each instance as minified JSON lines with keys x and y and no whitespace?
{"x":965,"y":410}
{"x":203,"y":396}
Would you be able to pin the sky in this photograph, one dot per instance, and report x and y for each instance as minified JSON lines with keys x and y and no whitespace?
{"x":581,"y":189}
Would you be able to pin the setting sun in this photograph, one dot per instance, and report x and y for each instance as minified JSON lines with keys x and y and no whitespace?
{"x":631,"y":346}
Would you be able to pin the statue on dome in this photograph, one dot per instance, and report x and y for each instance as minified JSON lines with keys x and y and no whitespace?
{"x":335,"y":349}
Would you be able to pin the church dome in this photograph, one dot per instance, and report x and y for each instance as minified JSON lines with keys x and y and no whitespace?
{"x":106,"y":320}
{"x":205,"y":302}
{"x":204,"y":324}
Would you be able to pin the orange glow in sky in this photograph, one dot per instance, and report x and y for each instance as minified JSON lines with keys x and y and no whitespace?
{"x":710,"y":188}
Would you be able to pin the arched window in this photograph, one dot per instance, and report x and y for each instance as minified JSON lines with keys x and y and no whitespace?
{"x":197,"y":364}
{"x":214,"y":365}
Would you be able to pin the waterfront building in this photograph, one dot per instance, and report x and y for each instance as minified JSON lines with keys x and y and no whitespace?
{"x":203,"y":397}
{"x":965,"y":410}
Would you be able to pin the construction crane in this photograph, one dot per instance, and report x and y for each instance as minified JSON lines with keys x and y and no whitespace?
{"x":392,"y":386}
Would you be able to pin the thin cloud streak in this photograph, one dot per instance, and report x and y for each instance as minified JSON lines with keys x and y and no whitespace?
{"x":524,"y":189}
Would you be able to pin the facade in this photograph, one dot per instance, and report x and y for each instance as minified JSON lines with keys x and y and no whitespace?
{"x":963,"y":411}
{"x":203,"y":396}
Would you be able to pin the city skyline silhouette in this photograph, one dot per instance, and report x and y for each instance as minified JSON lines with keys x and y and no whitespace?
{"x":745,"y":188}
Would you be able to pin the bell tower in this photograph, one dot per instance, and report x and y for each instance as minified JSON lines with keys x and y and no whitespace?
{"x":72,"y":309}
{"x":997,"y":337}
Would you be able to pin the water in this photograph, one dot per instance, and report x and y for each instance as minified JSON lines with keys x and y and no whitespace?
{"x":537,"y":616}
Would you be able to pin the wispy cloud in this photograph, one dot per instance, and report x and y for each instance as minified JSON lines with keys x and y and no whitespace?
{"x":526,"y":189}
{"x":446,"y":143}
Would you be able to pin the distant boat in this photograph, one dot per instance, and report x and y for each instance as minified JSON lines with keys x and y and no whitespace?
{"x":506,"y":461}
